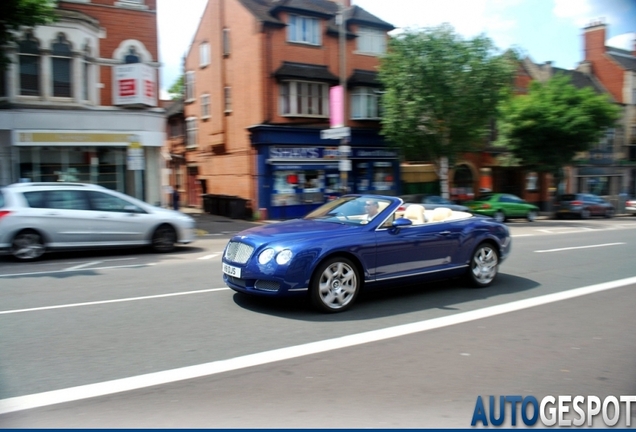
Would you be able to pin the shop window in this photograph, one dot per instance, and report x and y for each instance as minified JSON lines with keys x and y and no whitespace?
{"x":29,"y":59}
{"x":362,"y":177}
{"x":383,"y":176}
{"x":61,"y":62}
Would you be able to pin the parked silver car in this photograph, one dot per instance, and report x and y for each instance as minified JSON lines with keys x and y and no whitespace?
{"x":40,"y":217}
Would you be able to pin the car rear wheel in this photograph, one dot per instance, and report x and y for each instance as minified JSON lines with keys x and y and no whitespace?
{"x":164,"y":239}
{"x":585,"y":214}
{"x":500,"y":216}
{"x":484,"y":265}
{"x":335,"y":285}
{"x":27,"y":245}
{"x":609,"y":213}
{"x":531,"y":216}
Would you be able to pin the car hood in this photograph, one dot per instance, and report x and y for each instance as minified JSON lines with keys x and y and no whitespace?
{"x":297,"y":230}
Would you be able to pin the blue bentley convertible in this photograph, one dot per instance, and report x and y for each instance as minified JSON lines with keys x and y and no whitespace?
{"x":362,"y":241}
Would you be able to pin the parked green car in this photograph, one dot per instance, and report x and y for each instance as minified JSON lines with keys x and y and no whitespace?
{"x":502,"y":206}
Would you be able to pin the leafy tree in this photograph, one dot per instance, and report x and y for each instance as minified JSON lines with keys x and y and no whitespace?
{"x":546,"y":128}
{"x":17,"y":13}
{"x":177,"y":89}
{"x":441,"y":92}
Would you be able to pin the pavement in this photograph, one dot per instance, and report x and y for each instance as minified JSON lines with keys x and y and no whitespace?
{"x":208,"y":224}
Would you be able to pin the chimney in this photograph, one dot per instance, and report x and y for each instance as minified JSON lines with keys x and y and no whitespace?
{"x":594,"y":40}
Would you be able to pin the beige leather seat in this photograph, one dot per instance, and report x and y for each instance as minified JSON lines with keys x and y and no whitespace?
{"x":415,"y":213}
{"x":441,"y":213}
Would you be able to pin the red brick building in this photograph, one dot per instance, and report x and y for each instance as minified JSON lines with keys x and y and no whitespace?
{"x":258,"y":79}
{"x":80,"y":99}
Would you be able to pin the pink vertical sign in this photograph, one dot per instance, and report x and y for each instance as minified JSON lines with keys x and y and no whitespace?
{"x":336,"y":106}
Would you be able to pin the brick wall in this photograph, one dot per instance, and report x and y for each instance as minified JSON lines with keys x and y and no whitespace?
{"x":120,"y":24}
{"x":610,"y":74}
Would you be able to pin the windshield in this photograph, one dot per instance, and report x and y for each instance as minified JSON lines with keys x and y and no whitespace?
{"x":350,"y":210}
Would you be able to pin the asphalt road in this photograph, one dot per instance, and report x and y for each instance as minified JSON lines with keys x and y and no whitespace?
{"x":135,"y":339}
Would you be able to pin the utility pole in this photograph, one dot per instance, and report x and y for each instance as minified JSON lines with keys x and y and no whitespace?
{"x":344,"y":163}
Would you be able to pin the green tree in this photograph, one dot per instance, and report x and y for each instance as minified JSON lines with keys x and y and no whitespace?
{"x":441,"y":93}
{"x":546,"y":128}
{"x":177,"y":89}
{"x":17,"y":13}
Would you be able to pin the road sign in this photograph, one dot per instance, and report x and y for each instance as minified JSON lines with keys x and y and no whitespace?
{"x":336,"y":133}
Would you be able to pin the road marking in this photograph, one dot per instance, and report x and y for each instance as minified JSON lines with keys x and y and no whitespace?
{"x":70,"y":305}
{"x":208,"y":257}
{"x":578,"y":247}
{"x":72,"y":270}
{"x":80,"y":266}
{"x":36,"y":400}
{"x":522,"y":235}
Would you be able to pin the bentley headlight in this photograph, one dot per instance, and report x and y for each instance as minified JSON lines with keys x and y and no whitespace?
{"x":284,"y":257}
{"x":266,"y":256}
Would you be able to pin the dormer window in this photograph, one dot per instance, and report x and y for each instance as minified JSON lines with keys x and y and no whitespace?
{"x":371,"y":41}
{"x":132,"y":56}
{"x":303,"y":29}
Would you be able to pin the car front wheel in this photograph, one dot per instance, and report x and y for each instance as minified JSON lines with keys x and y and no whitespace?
{"x":484,"y":265}
{"x":335,"y":285}
{"x":27,"y":246}
{"x":164,"y":239}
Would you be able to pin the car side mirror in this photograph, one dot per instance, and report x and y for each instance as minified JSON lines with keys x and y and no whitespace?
{"x":400,"y":223}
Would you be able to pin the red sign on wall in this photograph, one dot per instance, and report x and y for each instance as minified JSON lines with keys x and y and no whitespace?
{"x":134,"y":84}
{"x":127,"y":87}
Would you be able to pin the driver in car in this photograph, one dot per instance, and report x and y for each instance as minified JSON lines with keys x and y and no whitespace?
{"x":371,"y":207}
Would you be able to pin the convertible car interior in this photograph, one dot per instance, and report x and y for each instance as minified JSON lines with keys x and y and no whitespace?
{"x":419,"y":215}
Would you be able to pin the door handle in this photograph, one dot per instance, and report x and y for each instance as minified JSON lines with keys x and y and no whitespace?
{"x":444,"y":233}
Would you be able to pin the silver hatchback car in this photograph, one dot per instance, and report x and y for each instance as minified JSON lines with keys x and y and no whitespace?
{"x":40,"y":217}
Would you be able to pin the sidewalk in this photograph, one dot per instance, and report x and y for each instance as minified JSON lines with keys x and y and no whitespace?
{"x":214,"y":224}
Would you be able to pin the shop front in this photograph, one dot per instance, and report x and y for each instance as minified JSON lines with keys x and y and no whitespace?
{"x":298,"y":171}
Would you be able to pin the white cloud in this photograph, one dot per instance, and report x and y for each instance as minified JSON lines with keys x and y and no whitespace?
{"x":177,"y":22}
{"x":624,"y":41}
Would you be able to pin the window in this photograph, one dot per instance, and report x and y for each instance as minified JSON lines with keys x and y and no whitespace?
{"x":61,"y":62}
{"x":205,"y":106}
{"x":228,"y":99}
{"x":86,"y":73}
{"x":66,"y":200}
{"x":303,"y":98}
{"x":204,"y":54}
{"x":226,"y":41}
{"x":371,"y":41}
{"x":3,"y":82}
{"x":101,"y":201}
{"x":189,"y":86}
{"x":303,"y":30}
{"x":365,"y":104}
{"x":191,"y":132}
{"x":132,"y":56}
{"x":29,"y":58}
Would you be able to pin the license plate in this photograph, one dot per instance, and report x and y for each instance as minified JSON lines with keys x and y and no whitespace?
{"x":231,"y":270}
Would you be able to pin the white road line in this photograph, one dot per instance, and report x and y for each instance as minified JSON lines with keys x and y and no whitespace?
{"x":70,"y":305}
{"x":208,"y":257}
{"x":70,"y":394}
{"x":77,"y":267}
{"x":72,"y":270}
{"x":522,"y":235}
{"x":578,"y":247}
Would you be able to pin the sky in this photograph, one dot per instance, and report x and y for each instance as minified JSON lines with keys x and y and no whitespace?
{"x":544,"y":30}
